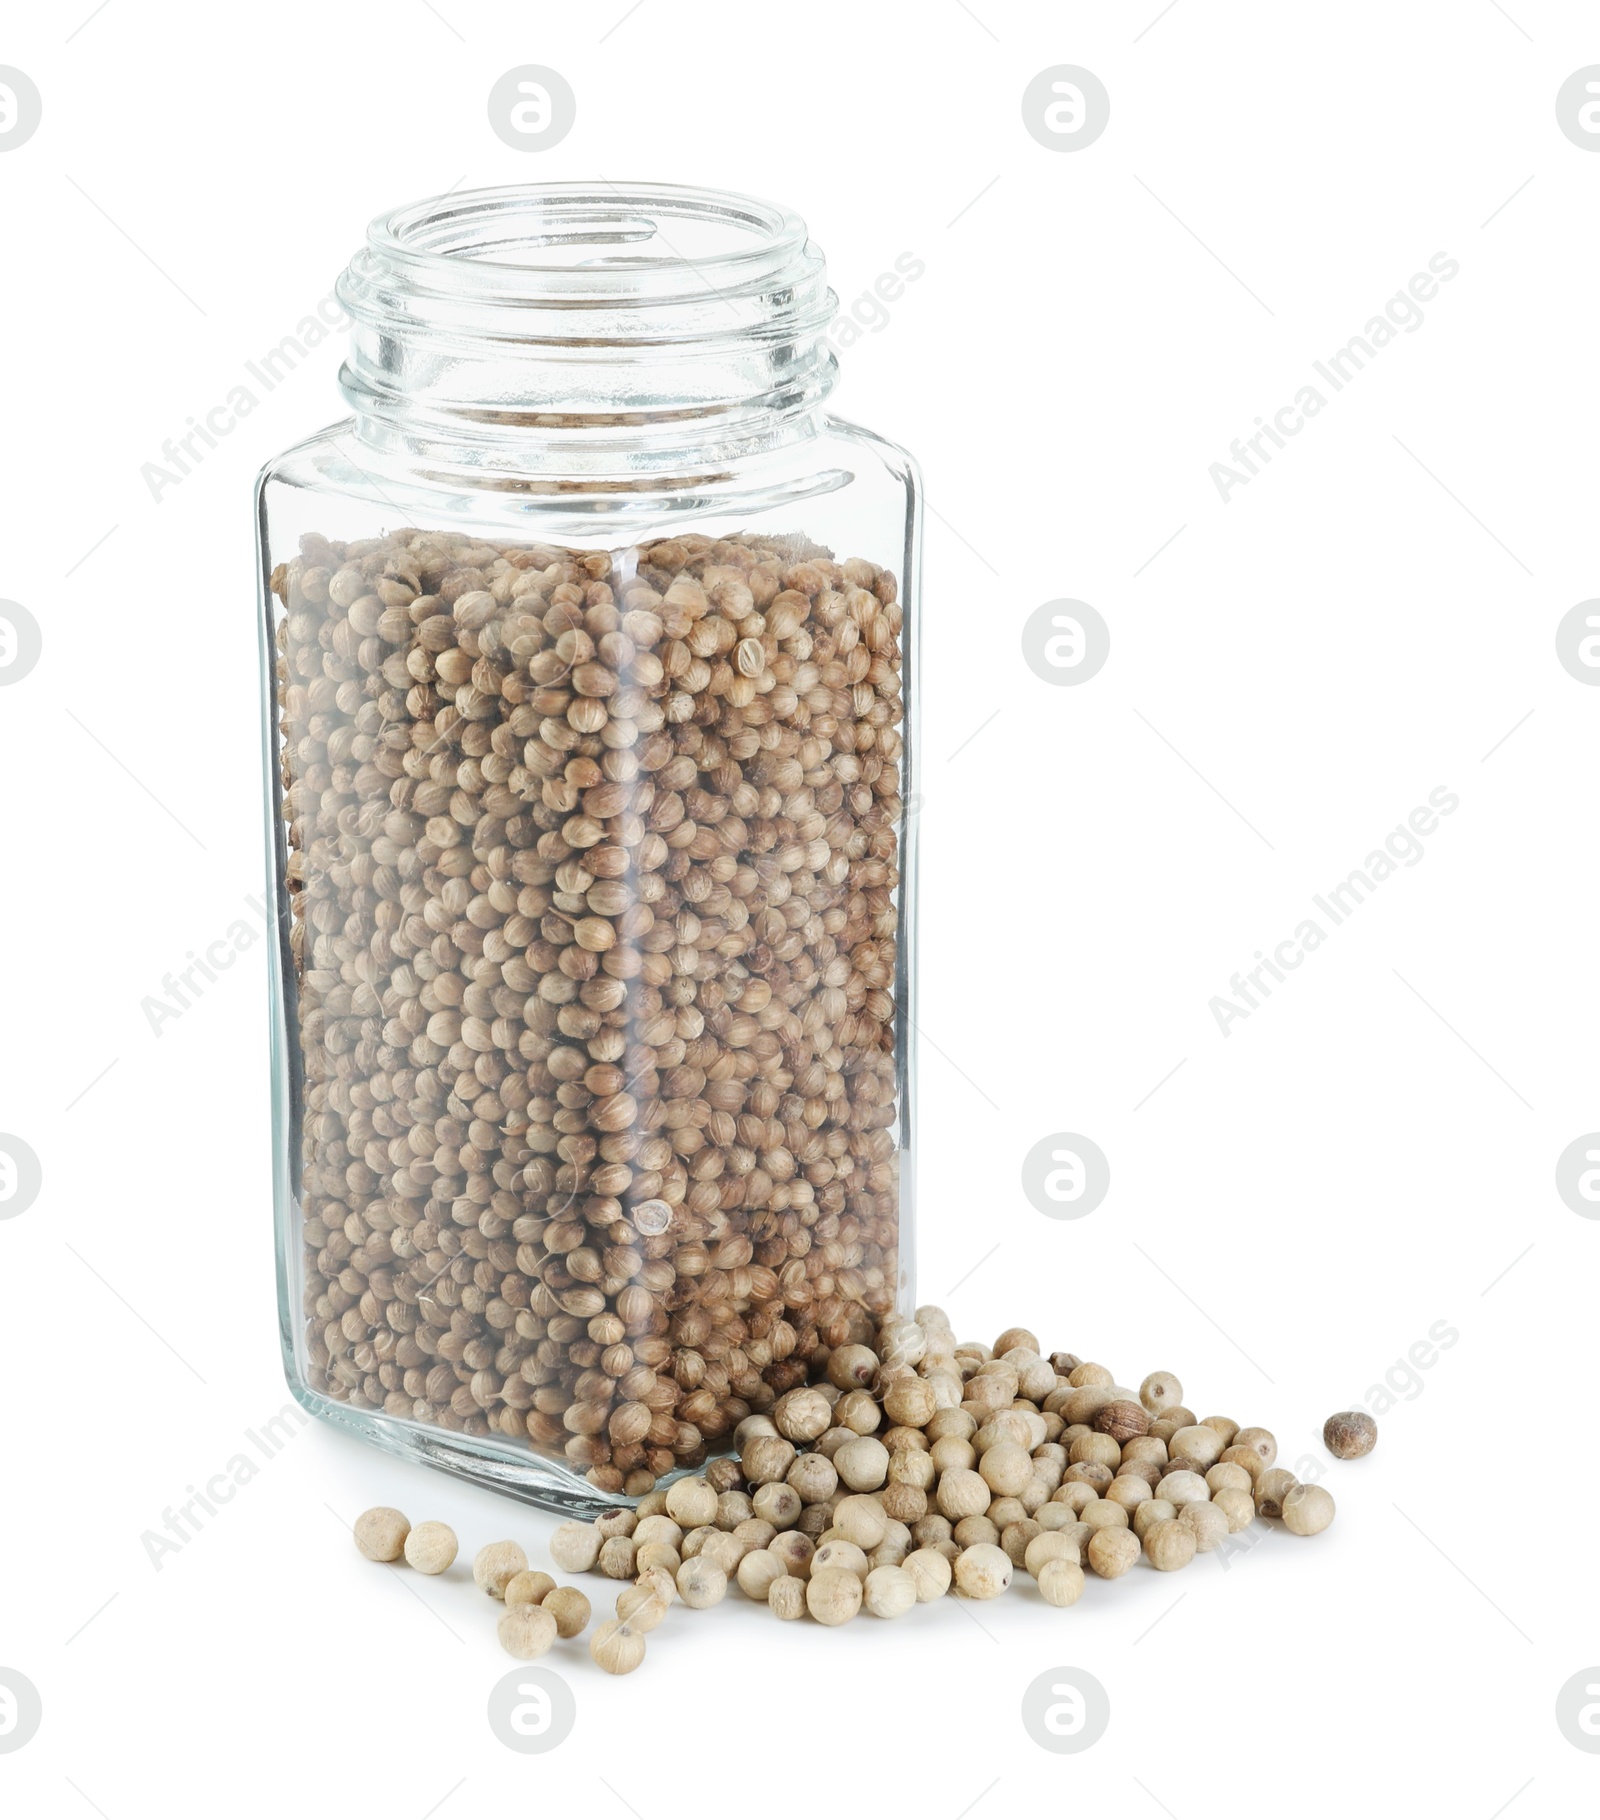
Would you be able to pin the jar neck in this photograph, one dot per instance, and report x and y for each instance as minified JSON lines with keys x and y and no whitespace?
{"x":564,"y":334}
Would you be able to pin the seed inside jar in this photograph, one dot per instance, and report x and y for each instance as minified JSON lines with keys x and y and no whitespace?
{"x":593,"y":862}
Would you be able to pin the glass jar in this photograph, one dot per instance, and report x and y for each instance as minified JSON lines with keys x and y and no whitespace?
{"x":587,"y":647}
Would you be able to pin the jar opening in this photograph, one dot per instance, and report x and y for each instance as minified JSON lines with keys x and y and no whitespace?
{"x":600,"y":327}
{"x":543,"y":240}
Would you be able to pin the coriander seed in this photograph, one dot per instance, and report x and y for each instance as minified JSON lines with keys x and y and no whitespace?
{"x":1307,"y":1510}
{"x":1005,"y":1468}
{"x":1104,"y":1513}
{"x":1061,"y":1583}
{"x":658,"y":1529}
{"x":641,"y":1606}
{"x":794,"y":1551}
{"x":778,"y":1505}
{"x":812,"y":1478}
{"x":1183,"y":1487}
{"x":495,"y":1566}
{"x":526,"y":1631}
{"x":1198,"y":1443}
{"x":839,"y":1554}
{"x":862,"y":1463}
{"x":861,"y":1520}
{"x":570,"y":1609}
{"x":1121,"y":1419}
{"x":381,"y":1533}
{"x":961,"y":1493}
{"x":1225,"y":1476}
{"x":530,"y":1587}
{"x":1271,"y":1489}
{"x":889,"y":1592}
{"x":1260,"y":1441}
{"x":929,"y":1572}
{"x":1350,"y":1435}
{"x":431,"y":1548}
{"x":833,"y":1594}
{"x":982,"y":1571}
{"x":1207,"y":1524}
{"x":1169,"y":1545}
{"x":1246,"y":1458}
{"x":1112,"y":1552}
{"x":1238,"y":1507}
{"x":691,"y":1502}
{"x":617,"y":1646}
{"x":1157,"y":1510}
{"x":1160,"y":1391}
{"x":757,"y":1571}
{"x":1130,"y":1491}
{"x":575,"y":1547}
{"x":701,"y":1583}
{"x":659,"y":1584}
{"x":1048,"y":1545}
{"x":767,"y":1458}
{"x":786,"y":1596}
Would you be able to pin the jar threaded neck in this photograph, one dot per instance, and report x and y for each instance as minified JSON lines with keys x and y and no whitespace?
{"x":587,"y":327}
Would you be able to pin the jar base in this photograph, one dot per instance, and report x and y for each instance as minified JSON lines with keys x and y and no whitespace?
{"x":513,"y":1472}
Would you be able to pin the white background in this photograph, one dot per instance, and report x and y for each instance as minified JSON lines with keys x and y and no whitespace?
{"x":1370,"y":1153}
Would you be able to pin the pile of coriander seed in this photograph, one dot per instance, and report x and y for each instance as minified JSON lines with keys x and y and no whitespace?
{"x":920,"y":1467}
{"x":594,"y":865}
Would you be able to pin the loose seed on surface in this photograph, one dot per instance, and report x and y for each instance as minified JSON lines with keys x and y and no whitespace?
{"x":1207,"y":1524}
{"x":1350,"y":1435}
{"x":833,"y":1595}
{"x":930,"y":1574}
{"x":1159,"y":1510}
{"x":691,"y":1502}
{"x":1169,"y":1545}
{"x":1160,"y":1391}
{"x":1112,"y":1552}
{"x":431,"y":1548}
{"x":570,"y":1609}
{"x":759,"y":1568}
{"x":495,"y":1566}
{"x":889,"y":1592}
{"x":982,"y":1571}
{"x":982,"y":1482}
{"x":1307,"y":1510}
{"x":575,"y":1547}
{"x":837,"y":1553}
{"x":863,"y":1463}
{"x":1061,"y":1583}
{"x":701,"y":1583}
{"x":381,"y":1533}
{"x":641,"y":1606}
{"x":861,"y":1520}
{"x":526,"y":1631}
{"x":618,"y":1557}
{"x":1183,"y":1487}
{"x":1261,"y":1442}
{"x":617,"y":1646}
{"x":787,"y":1597}
{"x":528,"y":1588}
{"x":1238,"y":1507}
{"x":1271,"y":1489}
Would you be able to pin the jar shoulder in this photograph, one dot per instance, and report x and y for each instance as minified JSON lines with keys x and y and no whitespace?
{"x":839,"y":455}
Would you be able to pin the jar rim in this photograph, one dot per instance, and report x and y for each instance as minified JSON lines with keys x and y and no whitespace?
{"x":461,"y":241}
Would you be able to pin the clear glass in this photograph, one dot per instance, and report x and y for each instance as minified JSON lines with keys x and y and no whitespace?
{"x":587,"y":647}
